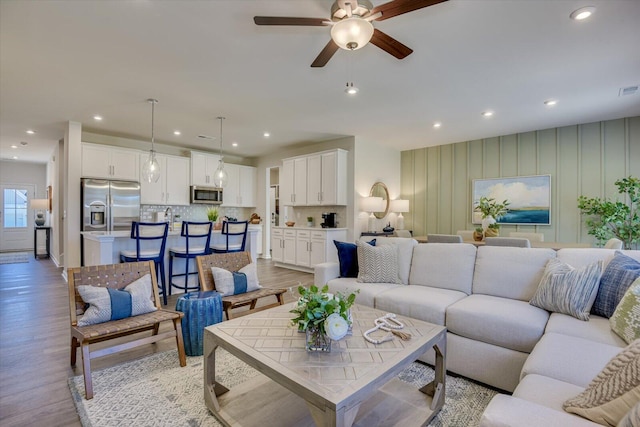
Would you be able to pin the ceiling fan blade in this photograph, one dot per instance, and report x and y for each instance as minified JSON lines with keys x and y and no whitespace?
{"x":286,"y":20}
{"x":390,"y":45}
{"x":398,"y":7}
{"x":326,"y":54}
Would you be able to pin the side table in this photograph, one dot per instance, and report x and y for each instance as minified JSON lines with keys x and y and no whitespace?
{"x":201,"y":309}
{"x":47,"y":231}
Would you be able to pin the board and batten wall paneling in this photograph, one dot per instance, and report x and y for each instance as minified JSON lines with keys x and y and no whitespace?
{"x":581,"y":159}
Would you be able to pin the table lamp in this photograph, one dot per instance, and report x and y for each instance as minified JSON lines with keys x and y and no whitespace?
{"x":371,"y":205}
{"x":399,"y":206}
{"x":39,"y":205}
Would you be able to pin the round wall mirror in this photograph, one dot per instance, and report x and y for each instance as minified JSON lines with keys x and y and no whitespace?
{"x":380,"y":190}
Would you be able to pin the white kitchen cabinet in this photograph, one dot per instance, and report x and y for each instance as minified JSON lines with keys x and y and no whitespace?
{"x":303,"y":248}
{"x":203,"y":165}
{"x":293,"y":183}
{"x":289,"y":247}
{"x":172,"y":187}
{"x":324,"y":175}
{"x":310,"y":246}
{"x":107,"y":162}
{"x":241,"y":186}
{"x":318,"y":248}
{"x":277,"y":244}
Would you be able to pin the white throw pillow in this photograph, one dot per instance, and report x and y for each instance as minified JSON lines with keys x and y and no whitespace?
{"x":377,"y":264}
{"x":225,"y":283}
{"x":405,"y":254}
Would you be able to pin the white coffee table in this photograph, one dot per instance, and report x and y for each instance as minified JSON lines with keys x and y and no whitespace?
{"x":355,"y":384}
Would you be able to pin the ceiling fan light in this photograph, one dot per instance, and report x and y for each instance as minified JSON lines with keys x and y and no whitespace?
{"x":352,"y":33}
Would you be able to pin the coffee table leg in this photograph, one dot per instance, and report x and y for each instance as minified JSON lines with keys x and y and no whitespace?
{"x":326,"y":417}
{"x":212,"y":388}
{"x":436,"y":388}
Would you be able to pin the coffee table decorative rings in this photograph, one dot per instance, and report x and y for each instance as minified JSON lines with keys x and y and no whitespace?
{"x":390,"y":324}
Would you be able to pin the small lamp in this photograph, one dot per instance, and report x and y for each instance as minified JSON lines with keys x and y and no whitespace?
{"x":39,"y":205}
{"x":399,"y":206}
{"x":371,"y":205}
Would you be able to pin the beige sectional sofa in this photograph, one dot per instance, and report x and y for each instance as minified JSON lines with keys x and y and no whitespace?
{"x":494,"y":335}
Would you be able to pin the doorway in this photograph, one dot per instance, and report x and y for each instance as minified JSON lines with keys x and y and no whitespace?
{"x":272,"y":206}
{"x":16,"y":218}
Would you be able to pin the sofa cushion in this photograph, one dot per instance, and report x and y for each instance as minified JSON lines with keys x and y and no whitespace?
{"x":546,"y":391}
{"x":418,"y":302}
{"x":616,"y":279}
{"x":626,"y":319}
{"x":569,"y":359}
{"x":632,"y":419}
{"x":596,"y":329}
{"x":348,"y":257}
{"x":443,"y":265}
{"x":613,"y":392}
{"x":568,"y":290}
{"x":508,"y":323}
{"x":405,"y":254}
{"x":368,"y":291}
{"x":510,"y":272}
{"x":377,"y":264}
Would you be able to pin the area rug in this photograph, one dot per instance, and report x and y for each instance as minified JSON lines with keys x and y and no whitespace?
{"x":156,"y":391}
{"x":14,"y":257}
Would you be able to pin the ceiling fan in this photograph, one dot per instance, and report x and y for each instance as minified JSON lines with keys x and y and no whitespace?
{"x":351,"y":26}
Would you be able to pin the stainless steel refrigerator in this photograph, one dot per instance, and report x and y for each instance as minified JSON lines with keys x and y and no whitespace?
{"x":109,"y":205}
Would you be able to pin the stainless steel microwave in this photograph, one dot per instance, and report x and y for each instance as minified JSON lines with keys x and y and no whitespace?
{"x":206,"y":195}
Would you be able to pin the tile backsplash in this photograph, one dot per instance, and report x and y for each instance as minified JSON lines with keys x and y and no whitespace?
{"x":193,"y":212}
{"x":299,"y":214}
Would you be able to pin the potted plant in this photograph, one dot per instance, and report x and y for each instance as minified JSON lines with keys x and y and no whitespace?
{"x":478,"y":234}
{"x":606,"y":218}
{"x":491,"y":212}
{"x":322,"y":316}
{"x":212,"y":214}
{"x":309,"y":221}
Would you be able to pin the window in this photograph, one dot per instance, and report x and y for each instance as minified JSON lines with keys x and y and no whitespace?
{"x":15,"y":208}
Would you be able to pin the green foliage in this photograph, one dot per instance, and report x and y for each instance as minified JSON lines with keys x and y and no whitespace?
{"x":489,"y":207}
{"x":606,"y":219}
{"x":479,"y":230}
{"x":212,"y":214}
{"x":314,"y":306}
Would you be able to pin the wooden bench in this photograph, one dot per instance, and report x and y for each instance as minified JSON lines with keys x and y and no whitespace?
{"x":234,"y":261}
{"x":117,"y":276}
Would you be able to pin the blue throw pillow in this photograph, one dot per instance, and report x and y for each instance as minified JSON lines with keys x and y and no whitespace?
{"x":616,"y":279}
{"x":348,"y":257}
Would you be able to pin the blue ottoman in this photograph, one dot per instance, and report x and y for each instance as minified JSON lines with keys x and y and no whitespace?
{"x":200,"y":309}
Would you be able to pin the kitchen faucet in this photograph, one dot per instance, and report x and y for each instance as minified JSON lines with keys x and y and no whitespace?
{"x":168,"y":214}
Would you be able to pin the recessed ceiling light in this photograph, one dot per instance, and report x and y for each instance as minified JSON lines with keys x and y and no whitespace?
{"x":266,"y":134}
{"x":97,"y":118}
{"x":31,"y":132}
{"x":487,"y":113}
{"x":14,"y":146}
{"x":234,"y":144}
{"x":582,"y":13}
{"x":15,"y":157}
{"x":177,"y":132}
{"x":437,"y":125}
{"x":550,"y":102}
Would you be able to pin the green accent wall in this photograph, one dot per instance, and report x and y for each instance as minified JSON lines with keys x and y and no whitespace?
{"x":582,"y":159}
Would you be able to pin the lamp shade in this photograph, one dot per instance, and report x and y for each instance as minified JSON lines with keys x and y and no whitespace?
{"x":352,"y":33}
{"x":399,"y":206}
{"x":39,"y":204}
{"x":371,"y":204}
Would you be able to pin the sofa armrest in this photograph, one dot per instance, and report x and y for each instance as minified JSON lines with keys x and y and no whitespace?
{"x":324,"y":272}
{"x":508,"y":411}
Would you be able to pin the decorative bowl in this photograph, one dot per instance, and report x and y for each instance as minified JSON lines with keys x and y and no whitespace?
{"x":290,"y":223}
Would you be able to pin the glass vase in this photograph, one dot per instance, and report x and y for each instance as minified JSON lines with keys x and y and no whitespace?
{"x":317,"y":340}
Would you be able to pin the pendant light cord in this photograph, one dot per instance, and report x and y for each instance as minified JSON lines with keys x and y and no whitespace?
{"x":221,"y":119}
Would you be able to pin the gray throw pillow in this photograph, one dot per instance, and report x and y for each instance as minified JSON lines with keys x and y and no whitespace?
{"x":377,"y":264}
{"x":616,"y":279}
{"x":564,"y":289}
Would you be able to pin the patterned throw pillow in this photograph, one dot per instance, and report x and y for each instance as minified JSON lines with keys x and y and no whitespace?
{"x":616,"y":279}
{"x":567,"y":290}
{"x":348,"y":257}
{"x":378,"y":264}
{"x":107,"y":304}
{"x":626,"y":319}
{"x":613,"y":392}
{"x":237,"y":282}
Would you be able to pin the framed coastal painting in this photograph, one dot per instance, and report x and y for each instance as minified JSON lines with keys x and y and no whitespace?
{"x":529,"y":198}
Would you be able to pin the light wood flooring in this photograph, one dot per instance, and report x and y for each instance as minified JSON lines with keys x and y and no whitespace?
{"x":34,"y":341}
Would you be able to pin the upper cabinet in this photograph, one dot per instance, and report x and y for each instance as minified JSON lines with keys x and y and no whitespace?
{"x":107,"y":162}
{"x":240,"y":190}
{"x":202,"y":167}
{"x":172,"y":187}
{"x":315,"y":180}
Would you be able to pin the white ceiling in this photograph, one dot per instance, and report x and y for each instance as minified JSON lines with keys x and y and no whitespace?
{"x":70,"y":60}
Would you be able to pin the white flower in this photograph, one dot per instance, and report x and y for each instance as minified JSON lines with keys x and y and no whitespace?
{"x":336,"y":327}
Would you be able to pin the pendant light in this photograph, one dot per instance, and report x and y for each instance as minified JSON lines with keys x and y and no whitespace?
{"x":151,"y":168}
{"x":220,"y":176}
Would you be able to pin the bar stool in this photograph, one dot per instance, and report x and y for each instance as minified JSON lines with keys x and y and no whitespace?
{"x":143,"y":231}
{"x":235,"y":237}
{"x":194,"y":234}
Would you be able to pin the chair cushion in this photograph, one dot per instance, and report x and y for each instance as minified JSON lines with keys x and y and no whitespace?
{"x":106,"y":304}
{"x":504,"y":322}
{"x":613,"y":392}
{"x":229,"y":284}
{"x":626,"y":319}
{"x":147,"y":254}
{"x":193,"y":250}
{"x":377,"y":264}
{"x":567,"y":290}
{"x":348,"y":257}
{"x":223,"y":247}
{"x":443,"y":265}
{"x":616,"y":279}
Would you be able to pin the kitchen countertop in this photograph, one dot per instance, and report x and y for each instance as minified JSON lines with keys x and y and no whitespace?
{"x":308,"y":228}
{"x":103,"y":235}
